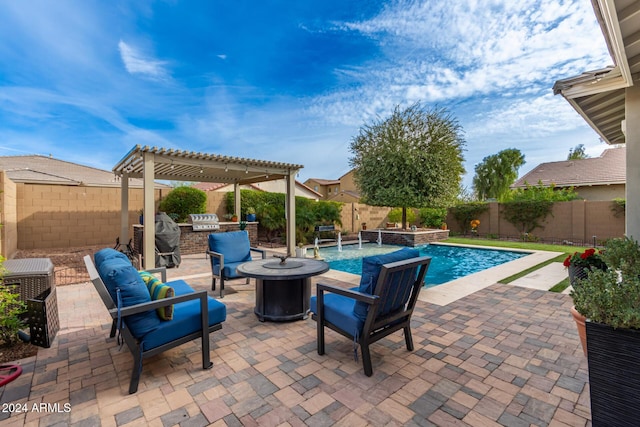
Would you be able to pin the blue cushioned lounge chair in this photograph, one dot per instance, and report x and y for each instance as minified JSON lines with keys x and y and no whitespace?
{"x":134,"y":312}
{"x":382,"y":304}
{"x":227,"y":252}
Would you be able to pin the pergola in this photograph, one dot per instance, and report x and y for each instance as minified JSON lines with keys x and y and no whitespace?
{"x":154,"y":163}
{"x":609,"y":99}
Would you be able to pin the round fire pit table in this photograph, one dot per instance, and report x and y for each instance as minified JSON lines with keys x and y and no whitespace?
{"x":283,"y":289}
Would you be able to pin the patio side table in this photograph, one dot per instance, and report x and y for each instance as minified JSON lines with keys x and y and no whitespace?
{"x":34,"y":281}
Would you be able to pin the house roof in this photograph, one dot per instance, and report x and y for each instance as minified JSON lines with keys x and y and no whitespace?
{"x":599,"y":96}
{"x":325,"y":181}
{"x":609,"y":168}
{"x":212,"y":186}
{"x":38,"y":169}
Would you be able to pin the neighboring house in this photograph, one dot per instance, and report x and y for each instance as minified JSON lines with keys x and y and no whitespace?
{"x":36,"y":169}
{"x":326,"y":187}
{"x":274,"y":186}
{"x":597,"y":178}
{"x":51,"y":203}
{"x":342,"y":189}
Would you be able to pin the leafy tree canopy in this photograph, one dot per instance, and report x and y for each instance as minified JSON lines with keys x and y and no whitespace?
{"x":412,"y":158}
{"x":577,"y":153}
{"x":496,"y":173}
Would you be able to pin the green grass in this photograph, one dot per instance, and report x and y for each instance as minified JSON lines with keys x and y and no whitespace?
{"x":565,"y":250}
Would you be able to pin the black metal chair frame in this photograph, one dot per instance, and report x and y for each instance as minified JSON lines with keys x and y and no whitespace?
{"x":132,"y":343}
{"x":221,"y":276}
{"x":375,"y":327}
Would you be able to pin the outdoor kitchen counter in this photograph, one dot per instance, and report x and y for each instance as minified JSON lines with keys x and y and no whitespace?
{"x":195,"y":242}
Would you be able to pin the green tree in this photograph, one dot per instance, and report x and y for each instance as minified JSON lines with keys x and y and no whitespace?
{"x":496,"y":173}
{"x":577,"y":153}
{"x":411,"y":159}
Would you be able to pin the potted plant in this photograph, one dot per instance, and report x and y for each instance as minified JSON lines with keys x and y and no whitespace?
{"x":579,"y":263}
{"x":251,"y":214}
{"x":610,"y":300}
{"x":474,"y":226}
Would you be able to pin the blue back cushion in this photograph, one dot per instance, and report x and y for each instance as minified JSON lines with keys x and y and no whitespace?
{"x":234,"y":245}
{"x":371,"y":267}
{"x":118,"y":273}
{"x":107,"y":253}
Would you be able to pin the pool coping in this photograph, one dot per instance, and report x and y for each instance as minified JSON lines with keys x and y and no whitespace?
{"x":448,"y":292}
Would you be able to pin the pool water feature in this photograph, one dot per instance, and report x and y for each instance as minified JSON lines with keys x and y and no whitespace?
{"x":447,"y":263}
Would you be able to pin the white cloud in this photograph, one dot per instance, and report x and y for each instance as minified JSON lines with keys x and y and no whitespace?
{"x":136,"y":63}
{"x":444,"y":52}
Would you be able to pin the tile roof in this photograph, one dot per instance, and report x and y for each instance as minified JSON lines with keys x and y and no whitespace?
{"x":38,"y":169}
{"x":609,"y":168}
{"x":325,"y":181}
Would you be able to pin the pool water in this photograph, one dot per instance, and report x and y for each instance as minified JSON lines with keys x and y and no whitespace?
{"x":447,"y":263}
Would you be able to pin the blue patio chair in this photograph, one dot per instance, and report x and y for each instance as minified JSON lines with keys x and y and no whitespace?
{"x":381,"y":305}
{"x":227,"y":251}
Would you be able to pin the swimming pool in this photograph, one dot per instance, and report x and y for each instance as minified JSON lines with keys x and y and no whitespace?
{"x":447,"y":263}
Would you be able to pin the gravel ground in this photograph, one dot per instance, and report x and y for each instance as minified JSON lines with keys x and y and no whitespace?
{"x":68,"y":264}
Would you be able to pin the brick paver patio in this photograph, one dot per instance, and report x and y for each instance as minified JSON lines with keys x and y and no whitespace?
{"x":504,"y":355}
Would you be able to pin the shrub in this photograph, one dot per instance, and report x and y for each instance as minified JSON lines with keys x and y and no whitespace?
{"x":182,"y":201}
{"x":612,"y":297}
{"x":526,"y":208}
{"x":432,"y":217}
{"x":270,"y":212}
{"x":12,"y":308}
{"x":464,"y":213}
{"x":395,"y":215}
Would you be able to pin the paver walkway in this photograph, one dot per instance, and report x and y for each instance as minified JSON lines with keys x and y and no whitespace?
{"x":505,"y":355}
{"x":544,"y":278}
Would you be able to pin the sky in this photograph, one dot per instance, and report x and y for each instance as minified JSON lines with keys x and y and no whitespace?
{"x":289,"y":81}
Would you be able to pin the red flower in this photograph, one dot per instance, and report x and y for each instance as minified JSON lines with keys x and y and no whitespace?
{"x":589,"y":258}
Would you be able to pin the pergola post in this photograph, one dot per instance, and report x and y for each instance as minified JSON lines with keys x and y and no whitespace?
{"x":124,"y":208}
{"x":632,"y":137}
{"x":236,"y":199}
{"x":149,"y":240}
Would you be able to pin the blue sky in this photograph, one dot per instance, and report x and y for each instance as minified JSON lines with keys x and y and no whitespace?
{"x":289,"y":81}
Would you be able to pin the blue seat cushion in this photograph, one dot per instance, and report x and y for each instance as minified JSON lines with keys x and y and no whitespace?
{"x":234,"y":245}
{"x":339,"y":310}
{"x":119,"y":274}
{"x":186,"y":319}
{"x":229,"y":270}
{"x":371,"y":267}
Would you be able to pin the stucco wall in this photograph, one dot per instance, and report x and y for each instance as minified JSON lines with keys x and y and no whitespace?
{"x":59,"y":216}
{"x":602,"y":192}
{"x":575,"y":221}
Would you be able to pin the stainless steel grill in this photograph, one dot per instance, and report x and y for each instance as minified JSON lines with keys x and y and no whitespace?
{"x":204,"y":222}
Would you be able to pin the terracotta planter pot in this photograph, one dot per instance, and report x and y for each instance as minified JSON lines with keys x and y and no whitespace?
{"x":582,"y":329}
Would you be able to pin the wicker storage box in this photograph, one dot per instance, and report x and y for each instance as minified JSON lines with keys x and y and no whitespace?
{"x":44,"y":322}
{"x":30,"y":277}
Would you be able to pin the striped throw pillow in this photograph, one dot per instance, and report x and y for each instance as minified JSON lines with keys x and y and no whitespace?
{"x":159,"y":290}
